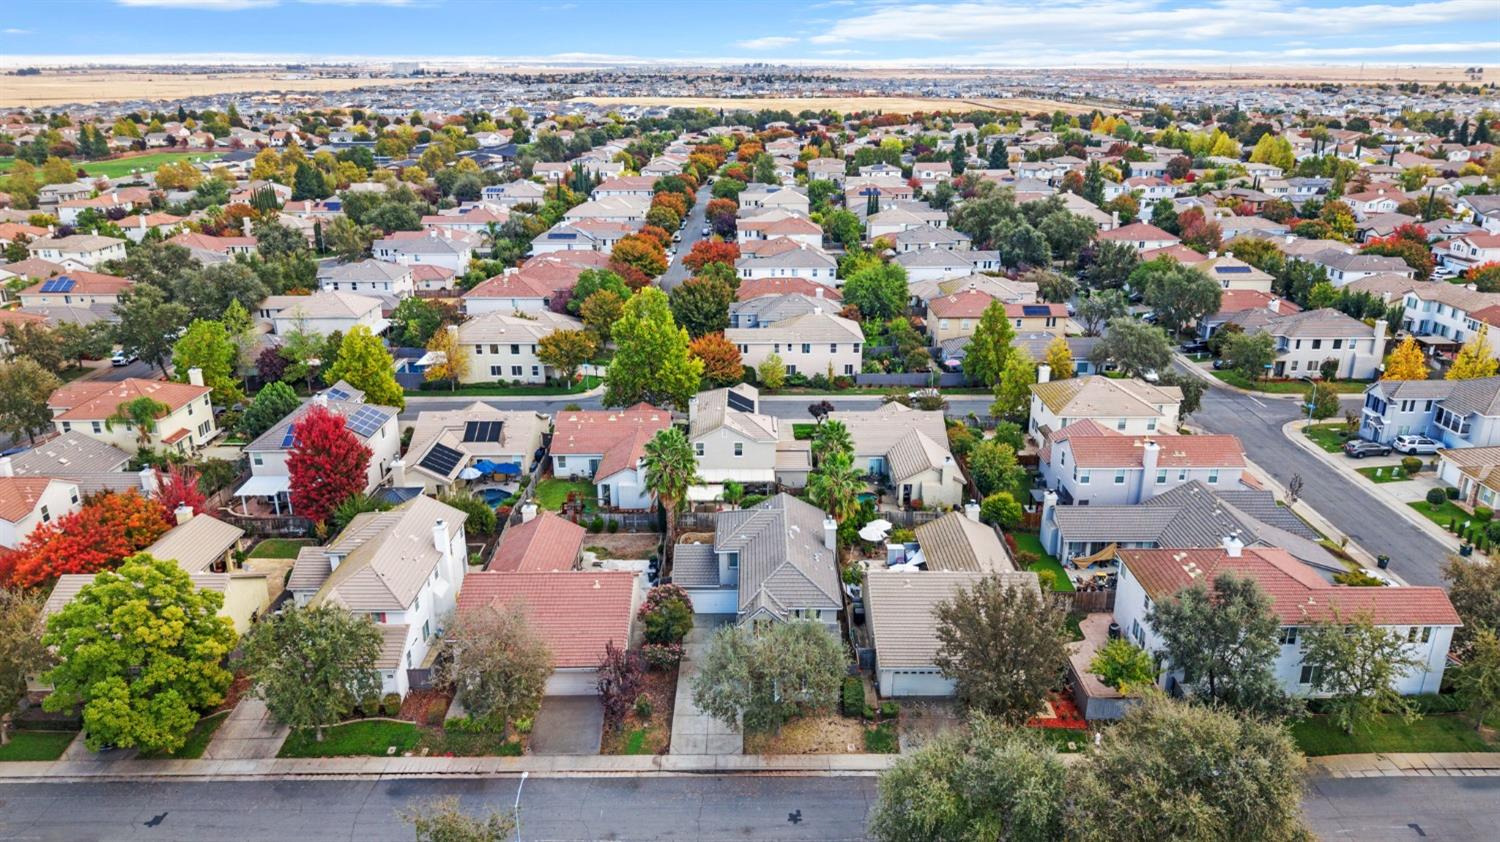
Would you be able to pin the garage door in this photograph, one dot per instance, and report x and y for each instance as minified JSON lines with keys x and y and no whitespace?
{"x":915,"y":683}
{"x":573,"y":683}
{"x":715,"y":601}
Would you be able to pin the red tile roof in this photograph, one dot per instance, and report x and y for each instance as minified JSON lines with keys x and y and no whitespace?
{"x":1181,"y":253}
{"x":575,"y":613}
{"x":757,"y":287}
{"x":1117,"y":451}
{"x":19,"y":496}
{"x":1137,"y":231}
{"x":968,"y":304}
{"x":1084,"y":427}
{"x":96,"y":400}
{"x":620,"y":436}
{"x":1298,"y":595}
{"x":1235,"y":300}
{"x":87,"y":283}
{"x":545,"y":544}
{"x":519,"y":284}
{"x":207,"y":242}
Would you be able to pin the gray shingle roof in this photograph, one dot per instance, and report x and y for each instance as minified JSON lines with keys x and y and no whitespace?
{"x":955,"y":543}
{"x":695,"y":566}
{"x":901,"y":610}
{"x":783,"y":562}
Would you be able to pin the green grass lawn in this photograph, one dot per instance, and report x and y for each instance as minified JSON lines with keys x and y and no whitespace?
{"x":36,"y":745}
{"x":364,"y":738}
{"x":1060,"y":737}
{"x":1330,"y":437}
{"x":803,"y":432}
{"x":1030,"y":542}
{"x":1286,"y":387}
{"x":1442,"y":514}
{"x":278,"y":548}
{"x":495,"y":390}
{"x":635,"y":742}
{"x":1317,"y":736}
{"x":118,"y":167}
{"x":198,"y":739}
{"x":1389,"y":473}
{"x":551,"y":493}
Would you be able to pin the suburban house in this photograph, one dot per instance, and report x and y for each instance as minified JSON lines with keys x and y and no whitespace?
{"x":804,"y":261}
{"x":1457,"y":413}
{"x":1442,"y":316}
{"x":734,"y":441}
{"x":205,"y":546}
{"x":78,"y":251}
{"x":1307,"y":339}
{"x":902,"y":620}
{"x":1473,"y":249}
{"x":924,"y":237}
{"x":374,"y":426}
{"x":1132,"y":407}
{"x":908,"y":450}
{"x":27,"y":502}
{"x":86,"y":462}
{"x":244,"y":593}
{"x":88,"y":406}
{"x":810,"y":344}
{"x":1143,"y":235}
{"x":322,"y":313}
{"x":576,"y":614}
{"x":403,"y":569}
{"x":1235,"y":301}
{"x":766,"y":310}
{"x":79,"y":288}
{"x":606,"y":446}
{"x":1472,"y":470}
{"x":1088,"y":464}
{"x":512,"y":291}
{"x":540,"y":543}
{"x":1300,"y":599}
{"x":1344,"y":268}
{"x":773,"y":562}
{"x":446,"y":442}
{"x":770,"y":225}
{"x":440,"y":247}
{"x":788,"y":198}
{"x":1235,"y":274}
{"x":389,"y":282}
{"x":503,"y":345}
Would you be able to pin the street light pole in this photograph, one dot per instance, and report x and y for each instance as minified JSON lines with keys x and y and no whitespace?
{"x":517,"y":809}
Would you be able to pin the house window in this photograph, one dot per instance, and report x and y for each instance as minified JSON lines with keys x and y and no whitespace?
{"x":1426,"y":633}
{"x":833,"y":347}
{"x":1151,"y":425}
{"x":1161,"y":477}
{"x":479,"y":349}
{"x":515,"y":371}
{"x":698,"y":449}
{"x":1120,"y":424}
{"x":562,"y":461}
{"x":67,"y":426}
{"x":1310,"y":675}
{"x":98,"y":427}
{"x":416,"y":603}
{"x":46,"y":516}
{"x":1120,"y":477}
{"x":806,"y":347}
{"x":1213,"y":477}
{"x":739,"y":448}
{"x":73,"y":498}
{"x":426,"y":626}
{"x":1288,"y":635}
{"x":496,"y":370}
{"x":1083,"y":477}
{"x":732,"y":561}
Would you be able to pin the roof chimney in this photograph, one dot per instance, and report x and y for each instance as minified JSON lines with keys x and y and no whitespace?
{"x":183,"y":513}
{"x":320,"y":399}
{"x":830,"y":533}
{"x":971,"y":511}
{"x":528,"y":512}
{"x":195,"y":376}
{"x":398,"y":473}
{"x":1150,"y":458}
{"x":1212,"y":253}
{"x":440,"y":536}
{"x":1233,"y":546}
{"x":1043,"y":373}
{"x":7,"y":467}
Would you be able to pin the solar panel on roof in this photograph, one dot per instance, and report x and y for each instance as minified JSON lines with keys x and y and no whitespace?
{"x":337,"y":394}
{"x":290,"y":439}
{"x":62,"y":284}
{"x":441,"y":459}
{"x":1035,"y":310}
{"x":1232,"y":270}
{"x":482,"y":430}
{"x":365,"y":421}
{"x":740,"y":402}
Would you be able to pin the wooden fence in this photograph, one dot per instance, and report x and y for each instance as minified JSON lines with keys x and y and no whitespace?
{"x":1091,"y":602}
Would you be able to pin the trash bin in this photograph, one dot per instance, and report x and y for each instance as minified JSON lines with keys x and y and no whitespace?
{"x":1466,"y":550}
{"x":1382,"y":561}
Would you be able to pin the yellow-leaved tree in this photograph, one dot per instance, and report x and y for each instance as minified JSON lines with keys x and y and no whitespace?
{"x":1475,"y":359}
{"x":1406,"y":362}
{"x":1059,"y":358}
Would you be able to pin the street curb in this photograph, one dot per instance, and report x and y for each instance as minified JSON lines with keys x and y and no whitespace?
{"x":1293,"y":431}
{"x":1197,"y":371}
{"x":1397,"y":765}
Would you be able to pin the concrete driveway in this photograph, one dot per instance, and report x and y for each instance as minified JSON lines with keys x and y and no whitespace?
{"x":248,"y":734}
{"x":568,"y":725}
{"x":693,"y":731}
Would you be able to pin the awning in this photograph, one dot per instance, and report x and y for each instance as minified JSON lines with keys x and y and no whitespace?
{"x":485,"y":466}
{"x":264,"y":486}
{"x":706,"y":493}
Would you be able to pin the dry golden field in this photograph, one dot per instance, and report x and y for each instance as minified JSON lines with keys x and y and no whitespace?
{"x":53,"y":88}
{"x":1346,"y":74}
{"x":843,"y":104}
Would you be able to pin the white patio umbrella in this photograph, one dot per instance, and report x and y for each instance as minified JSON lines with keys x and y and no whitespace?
{"x":469,"y":473}
{"x":875,"y":530}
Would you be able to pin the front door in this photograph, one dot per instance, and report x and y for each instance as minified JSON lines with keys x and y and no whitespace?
{"x":906,"y":494}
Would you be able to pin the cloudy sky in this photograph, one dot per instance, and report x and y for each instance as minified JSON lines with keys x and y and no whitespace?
{"x":977,"y":32}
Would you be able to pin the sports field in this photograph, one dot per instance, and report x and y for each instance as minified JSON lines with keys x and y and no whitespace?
{"x":116,"y":167}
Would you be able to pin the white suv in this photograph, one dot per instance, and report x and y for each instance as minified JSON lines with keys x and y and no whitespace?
{"x":1415,"y":445}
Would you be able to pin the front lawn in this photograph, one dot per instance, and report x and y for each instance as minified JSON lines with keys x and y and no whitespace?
{"x":1330,"y":437}
{"x":1447,"y":513}
{"x":278,"y":548}
{"x":1030,"y":542}
{"x":364,"y":738}
{"x":652,"y":733}
{"x":552,"y":493}
{"x":1382,"y":475}
{"x":1317,"y":736}
{"x":36,"y":745}
{"x":1287,"y":387}
{"x":803,"y":432}
{"x":498,"y":390}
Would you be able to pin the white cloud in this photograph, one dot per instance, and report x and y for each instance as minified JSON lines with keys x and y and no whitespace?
{"x":11,"y":30}
{"x":770,"y":42}
{"x":207,"y":5}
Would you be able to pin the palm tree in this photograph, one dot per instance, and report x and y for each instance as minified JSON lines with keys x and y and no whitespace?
{"x":671,"y":470}
{"x":835,"y":486}
{"x":492,"y":236}
{"x":139,"y":414}
{"x":832,"y":437}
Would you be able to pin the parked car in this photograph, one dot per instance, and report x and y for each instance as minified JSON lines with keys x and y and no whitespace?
{"x":706,"y":231}
{"x":120,"y":359}
{"x":1360,"y":448}
{"x":1220,"y":364}
{"x":1196,"y":346}
{"x":1415,"y":445}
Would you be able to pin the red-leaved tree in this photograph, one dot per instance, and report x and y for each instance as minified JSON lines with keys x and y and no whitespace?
{"x":327,"y":464}
{"x":109,"y":527}
{"x":711,"y":251}
{"x":179,"y":487}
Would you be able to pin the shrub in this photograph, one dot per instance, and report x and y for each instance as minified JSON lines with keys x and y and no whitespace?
{"x":1046,"y":579}
{"x":523,"y":725}
{"x":868,"y":712}
{"x":643,"y":707}
{"x":437,"y":709}
{"x":852,"y":696}
{"x":1357,"y":579}
{"x":662,"y":656}
{"x":890,"y":709}
{"x":370,"y":706}
{"x":1026,"y":558}
{"x":597,"y":524}
{"x":667,"y":614}
{"x":902,"y":536}
{"x":1411,"y":465}
{"x":614,"y":526}
{"x":391,"y":704}
{"x":1451,"y":492}
{"x":1492,"y":531}
{"x":1123,"y":665}
{"x":1484,"y":514}
{"x":1436,"y":497}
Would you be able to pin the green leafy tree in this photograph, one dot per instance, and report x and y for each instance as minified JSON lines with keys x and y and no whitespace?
{"x":1474,"y":590}
{"x":1067,"y":234}
{"x":772,"y":372}
{"x":79,"y":342}
{"x":1013,"y":392}
{"x":348,"y":240}
{"x":414,"y":321}
{"x":993,"y":465}
{"x":1123,"y":666}
{"x":592,"y":281}
{"x":1097,"y":309}
{"x":835,"y":485}
{"x":364,"y":363}
{"x":878,"y":291}
{"x":1357,"y":663}
{"x":148,"y":323}
{"x":1108,"y":265}
{"x":830,"y":437}
{"x":843,"y":227}
{"x":208,"y":347}
{"x":1000,"y":509}
{"x":497,"y":663}
{"x":25,"y":388}
{"x":1134,"y":346}
{"x":1187,"y":772}
{"x":701,"y":306}
{"x":272,"y":403}
{"x":566,"y":350}
{"x":21,"y":651}
{"x":37,"y":343}
{"x":1324,"y":400}
{"x":983,"y":782}
{"x":1179,"y":294}
{"x":142,"y":650}
{"x":443,"y":820}
{"x":671,"y":469}
{"x":651,"y":361}
{"x":600,"y":312}
{"x":312,"y":665}
{"x":1007,"y":680}
{"x":758,"y":679}
{"x":991,"y":347}
{"x":1477,"y":680}
{"x":1250,"y":354}
{"x":1225,"y":643}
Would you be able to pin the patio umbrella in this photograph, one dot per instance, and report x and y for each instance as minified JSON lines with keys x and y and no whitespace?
{"x":875,"y":530}
{"x":469,"y":473}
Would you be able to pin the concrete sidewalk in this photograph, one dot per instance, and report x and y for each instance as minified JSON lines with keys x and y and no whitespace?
{"x":1456,"y":764}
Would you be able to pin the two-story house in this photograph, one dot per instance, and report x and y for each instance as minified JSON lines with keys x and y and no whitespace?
{"x":1457,"y":413}
{"x":92,"y":407}
{"x":503,"y":345}
{"x":1300,"y":599}
{"x":908,"y":449}
{"x":773,"y":562}
{"x":1143,"y":235}
{"x":804,"y":261}
{"x":1088,"y":464}
{"x":734,"y":441}
{"x":78,"y":251}
{"x":1305,"y":340}
{"x":402,"y":568}
{"x":810,"y":344}
{"x":445,"y":442}
{"x":607,"y":446}
{"x":27,"y":502}
{"x":1132,"y":407}
{"x":322,"y":313}
{"x":389,"y":282}
{"x":78,"y":288}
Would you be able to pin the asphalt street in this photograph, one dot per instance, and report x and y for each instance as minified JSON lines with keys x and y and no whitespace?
{"x":677,"y":273}
{"x":698,"y":808}
{"x":1415,"y":556}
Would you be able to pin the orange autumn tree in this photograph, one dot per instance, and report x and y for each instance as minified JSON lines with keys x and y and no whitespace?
{"x":711,"y":251}
{"x":109,"y":527}
{"x":640,"y":253}
{"x":722,"y":365}
{"x":661,"y":235}
{"x":671,"y":201}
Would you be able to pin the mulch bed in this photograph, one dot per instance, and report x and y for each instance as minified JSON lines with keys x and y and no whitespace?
{"x":418,"y":706}
{"x":1065,"y":714}
{"x":238,"y":689}
{"x":661,"y":689}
